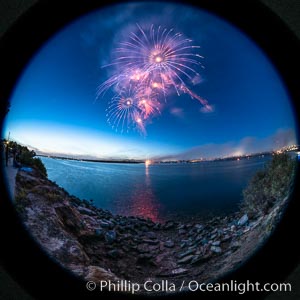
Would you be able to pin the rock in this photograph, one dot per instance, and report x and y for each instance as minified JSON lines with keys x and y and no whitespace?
{"x":99,"y":232}
{"x":151,"y":235}
{"x":216,"y":243}
{"x":232,"y":228}
{"x":145,"y":259}
{"x":86,"y":211}
{"x":215,"y":249}
{"x":199,"y":228}
{"x":150,"y":242}
{"x":213,"y":236}
{"x":246,"y":229}
{"x":110,"y":236}
{"x":243,"y":220}
{"x":145,"y":255}
{"x":187,"y":252}
{"x":174,"y":272}
{"x":143,"y":248}
{"x":183,"y":244}
{"x":198,"y":238}
{"x":214,"y":231}
{"x":235,"y":245}
{"x":122,"y":222}
{"x":185,"y":259}
{"x":181,"y":231}
{"x":226,"y":238}
{"x":106,"y":224}
{"x":179,"y":271}
{"x":181,"y":226}
{"x":191,"y":233}
{"x":197,"y":259}
{"x":115,"y":253}
{"x":169,"y":244}
{"x":169,"y":225}
{"x":254,"y":224}
{"x":144,"y":228}
{"x":125,"y":248}
{"x":70,"y":218}
{"x":204,"y":241}
{"x":96,"y":274}
{"x":157,"y":226}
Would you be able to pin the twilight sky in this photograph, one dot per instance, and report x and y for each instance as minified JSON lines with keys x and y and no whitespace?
{"x":53,"y":107}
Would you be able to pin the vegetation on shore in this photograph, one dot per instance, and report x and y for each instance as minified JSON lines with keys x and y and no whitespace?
{"x":25,"y":157}
{"x":270,"y":185}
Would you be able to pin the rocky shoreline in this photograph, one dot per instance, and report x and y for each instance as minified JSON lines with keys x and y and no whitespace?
{"x":97,"y":245}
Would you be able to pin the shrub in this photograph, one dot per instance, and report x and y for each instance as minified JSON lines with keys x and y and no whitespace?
{"x":27,"y":157}
{"x":38,"y":164}
{"x":270,"y":185}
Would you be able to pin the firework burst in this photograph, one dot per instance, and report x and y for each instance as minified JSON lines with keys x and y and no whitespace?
{"x":129,"y":109}
{"x":149,"y":65}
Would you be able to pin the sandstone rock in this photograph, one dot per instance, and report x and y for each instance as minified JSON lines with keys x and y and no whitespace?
{"x":216,"y":249}
{"x":183,"y":244}
{"x":198,"y":259}
{"x":143,"y":248}
{"x":169,"y":225}
{"x":216,"y":243}
{"x":150,"y":242}
{"x":181,"y":226}
{"x":187,"y":252}
{"x":106,"y":224}
{"x":151,"y":235}
{"x":169,"y":244}
{"x":234,"y":246}
{"x":86,"y":211}
{"x":96,"y":274}
{"x":110,"y":236}
{"x":185,"y":259}
{"x":157,"y":226}
{"x":179,"y":271}
{"x":70,"y":218}
{"x":181,"y":231}
{"x":243,"y":220}
{"x":199,"y":228}
{"x":145,"y":255}
{"x":115,"y":253}
{"x":204,"y":241}
{"x":99,"y":232}
{"x":226,"y":238}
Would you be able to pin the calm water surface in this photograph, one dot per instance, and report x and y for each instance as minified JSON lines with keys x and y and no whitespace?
{"x":157,"y":191}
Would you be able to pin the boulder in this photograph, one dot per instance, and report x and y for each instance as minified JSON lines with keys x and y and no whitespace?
{"x":169,"y":244}
{"x":179,"y":271}
{"x":216,"y":249}
{"x":185,"y":259}
{"x":243,"y":220}
{"x":86,"y":211}
{"x":110,"y":236}
{"x":216,"y":243}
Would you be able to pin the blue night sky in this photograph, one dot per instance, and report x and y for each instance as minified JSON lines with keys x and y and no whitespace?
{"x":53,"y":107}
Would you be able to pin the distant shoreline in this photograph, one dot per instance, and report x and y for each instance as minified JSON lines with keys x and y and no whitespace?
{"x":94,"y":160}
{"x":193,"y":161}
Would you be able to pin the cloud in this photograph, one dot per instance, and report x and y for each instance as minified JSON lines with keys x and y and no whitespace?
{"x":207,"y":108}
{"x":247,"y":145}
{"x":177,"y":112}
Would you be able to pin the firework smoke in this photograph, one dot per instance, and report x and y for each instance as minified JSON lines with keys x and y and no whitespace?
{"x":148,"y":67}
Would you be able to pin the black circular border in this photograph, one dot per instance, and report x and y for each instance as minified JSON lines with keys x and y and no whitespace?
{"x":22,"y":258}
